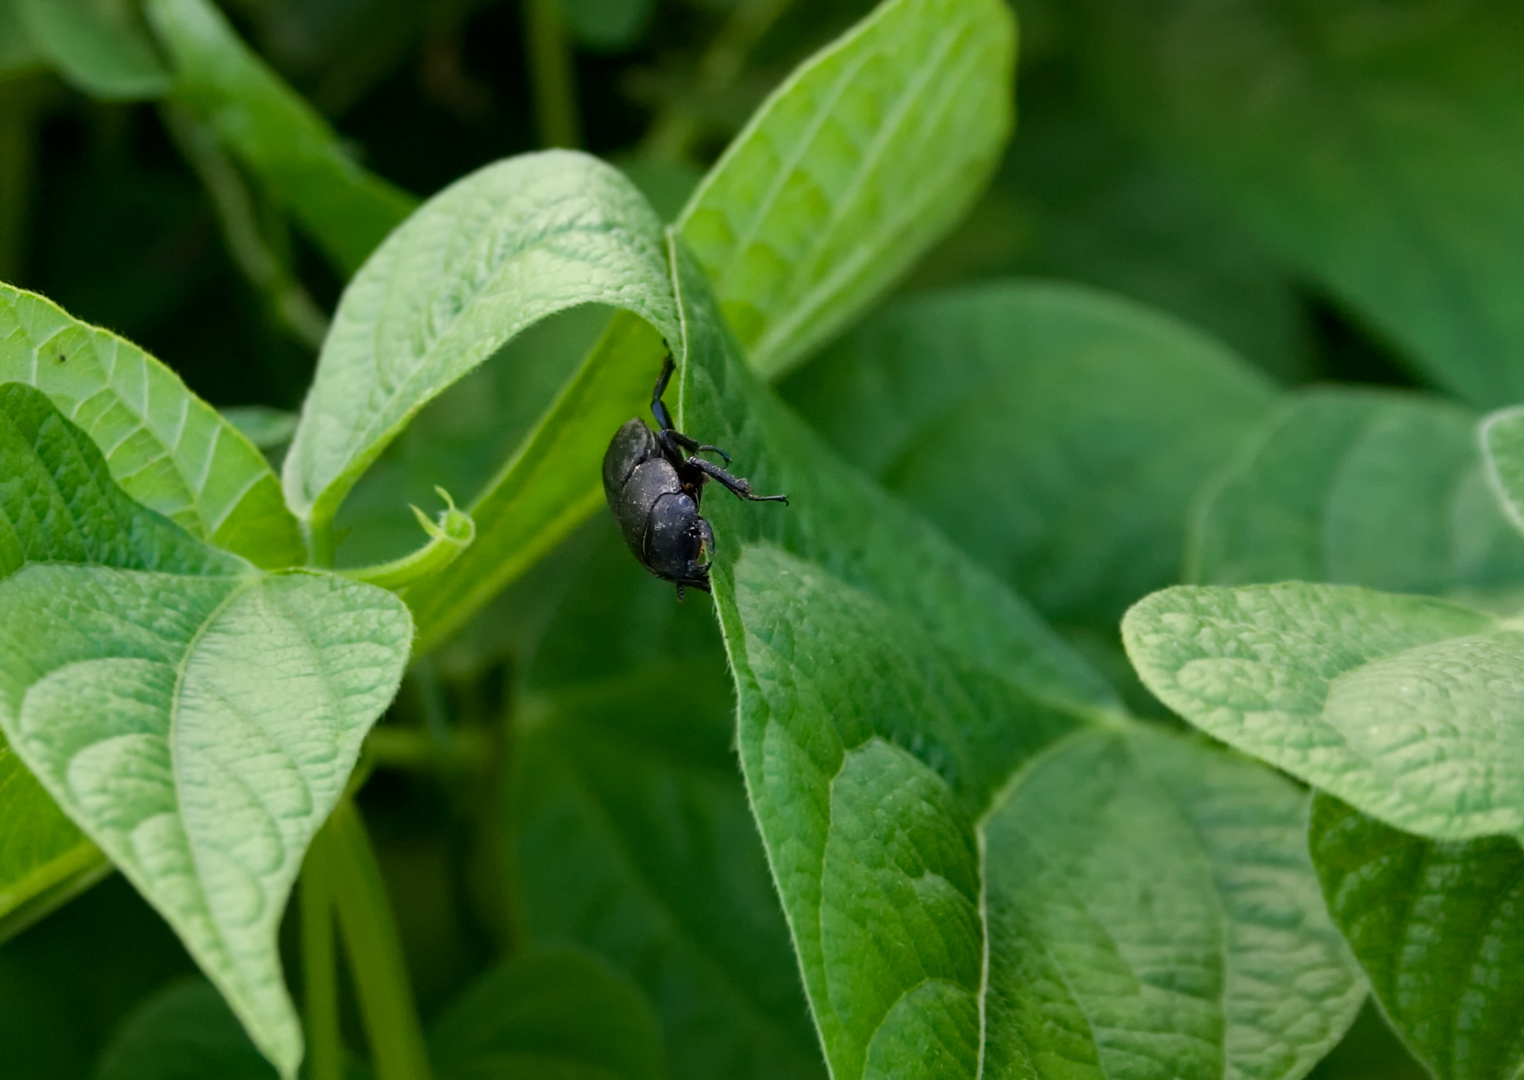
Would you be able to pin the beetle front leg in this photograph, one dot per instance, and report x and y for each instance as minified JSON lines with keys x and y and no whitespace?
{"x":737,"y":486}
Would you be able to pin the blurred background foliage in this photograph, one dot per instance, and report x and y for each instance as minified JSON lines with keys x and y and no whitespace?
{"x":1333,"y":190}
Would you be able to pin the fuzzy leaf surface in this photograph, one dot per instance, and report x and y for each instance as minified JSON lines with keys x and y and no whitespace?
{"x":867,"y":154}
{"x":1438,"y":929}
{"x":167,"y":448}
{"x":894,"y":746}
{"x":1057,"y":433}
{"x":1357,"y":487}
{"x":276,"y":134}
{"x":195,"y":717}
{"x":1406,"y":707}
{"x":1378,"y":149}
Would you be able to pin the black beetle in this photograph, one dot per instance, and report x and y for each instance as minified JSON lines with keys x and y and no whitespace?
{"x":654,"y":488}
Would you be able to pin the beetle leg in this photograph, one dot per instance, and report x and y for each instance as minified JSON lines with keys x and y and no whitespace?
{"x":736,"y":485}
{"x":658,"y":407}
{"x":688,"y":442}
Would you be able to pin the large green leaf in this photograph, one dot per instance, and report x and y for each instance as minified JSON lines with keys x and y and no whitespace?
{"x":481,"y":261}
{"x":865,"y":156}
{"x":275,"y":134}
{"x":1406,"y":707}
{"x":631,"y":829}
{"x":195,"y":717}
{"x":1057,"y":434}
{"x":168,"y":449}
{"x":1357,"y":487}
{"x":1437,"y":928}
{"x":1378,"y":148}
{"x":556,"y":1012}
{"x":98,"y":45}
{"x":911,"y":761}
{"x":58,"y":504}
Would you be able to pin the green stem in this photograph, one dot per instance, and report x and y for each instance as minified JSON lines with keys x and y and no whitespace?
{"x":552,"y":74}
{"x":454,"y":533}
{"x":290,"y":305}
{"x":676,"y":126}
{"x":320,"y":974}
{"x":374,"y":949}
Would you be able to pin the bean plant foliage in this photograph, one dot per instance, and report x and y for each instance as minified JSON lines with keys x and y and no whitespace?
{"x":1105,"y":703}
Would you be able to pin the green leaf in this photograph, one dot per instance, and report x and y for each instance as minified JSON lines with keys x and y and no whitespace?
{"x":1359,"y":487}
{"x":1502,"y":440}
{"x":1437,"y":928}
{"x":1076,"y":199}
{"x":481,"y":261}
{"x":549,"y":484}
{"x":1057,"y":434}
{"x":100,"y":46}
{"x":1403,"y":706}
{"x":195,"y":717}
{"x":1377,"y":149}
{"x":1153,"y":913}
{"x":275,"y":134}
{"x":912,"y":747}
{"x":44,"y":860}
{"x":866,"y":155}
{"x":184,"y":1032}
{"x":558,"y":1012}
{"x":266,"y":428}
{"x":631,"y":830}
{"x":168,"y":449}
{"x":58,"y":504}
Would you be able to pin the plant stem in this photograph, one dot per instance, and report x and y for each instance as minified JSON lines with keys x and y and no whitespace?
{"x":290,"y":305}
{"x":320,"y":974}
{"x":675,"y":127}
{"x":552,"y":73}
{"x":374,"y":949}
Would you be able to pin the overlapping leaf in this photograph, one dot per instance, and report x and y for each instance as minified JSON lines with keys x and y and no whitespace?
{"x":891,"y":744}
{"x":1357,"y":487}
{"x":1437,"y":927}
{"x":1377,"y":148}
{"x":1056,"y":433}
{"x":196,"y":717}
{"x":168,"y":449}
{"x":1406,"y":707}
{"x":866,"y":155}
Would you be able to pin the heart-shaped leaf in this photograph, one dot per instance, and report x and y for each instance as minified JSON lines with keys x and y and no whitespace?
{"x":195,"y":717}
